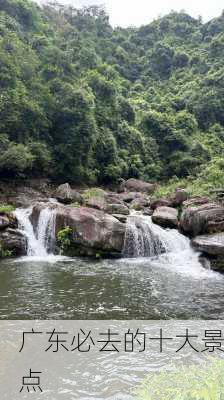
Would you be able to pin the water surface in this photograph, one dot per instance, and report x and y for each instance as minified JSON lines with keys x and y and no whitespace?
{"x":165,"y":287}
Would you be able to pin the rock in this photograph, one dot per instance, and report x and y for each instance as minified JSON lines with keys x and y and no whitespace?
{"x":128,"y":197}
{"x":212,"y":244}
{"x":147,"y":212}
{"x":137,"y":185}
{"x":117,"y":209}
{"x":217,"y":263}
{"x":96,"y":202}
{"x":93,"y":231}
{"x":205,"y":262}
{"x":140,"y":203}
{"x":161,"y":203}
{"x":65,"y":194}
{"x":167,"y":217}
{"x":179,"y":197}
{"x":113,"y":198}
{"x":121,"y":218}
{"x":13,"y":241}
{"x":4,"y":222}
{"x":206,"y":218}
{"x":196,"y":201}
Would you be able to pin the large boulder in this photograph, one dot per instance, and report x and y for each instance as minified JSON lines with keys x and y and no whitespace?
{"x":13,"y":240}
{"x":136,"y":185}
{"x":167,"y":217}
{"x":65,"y":194}
{"x":212,"y":244}
{"x":93,"y":231}
{"x":161,"y":203}
{"x":206,"y":218}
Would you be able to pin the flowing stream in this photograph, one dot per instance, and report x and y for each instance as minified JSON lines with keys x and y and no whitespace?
{"x":159,"y":277}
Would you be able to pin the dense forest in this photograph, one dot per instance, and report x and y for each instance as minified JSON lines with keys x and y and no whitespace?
{"x":84,"y":102}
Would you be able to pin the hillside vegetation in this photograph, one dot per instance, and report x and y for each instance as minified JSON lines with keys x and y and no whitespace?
{"x":84,"y":102}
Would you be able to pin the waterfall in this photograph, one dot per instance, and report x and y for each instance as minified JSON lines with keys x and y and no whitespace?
{"x":40,"y":241}
{"x":143,"y":238}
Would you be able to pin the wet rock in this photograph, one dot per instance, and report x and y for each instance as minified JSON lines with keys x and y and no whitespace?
{"x":147,"y":212}
{"x":205,"y":262}
{"x":210,"y":244}
{"x":206,"y":218}
{"x":167,"y":217}
{"x":65,"y":194}
{"x":136,"y":185}
{"x":121,"y":218}
{"x":117,"y":209}
{"x":12,"y":240}
{"x":93,"y":230}
{"x":161,"y":203}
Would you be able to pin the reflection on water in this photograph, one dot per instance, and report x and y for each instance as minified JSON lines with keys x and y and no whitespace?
{"x":63,"y":288}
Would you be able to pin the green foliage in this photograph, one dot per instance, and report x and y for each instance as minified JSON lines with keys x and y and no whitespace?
{"x":93,"y":192}
{"x":6,"y":208}
{"x":64,"y":239}
{"x":5,"y":253}
{"x":193,"y":382}
{"x":83,"y":102}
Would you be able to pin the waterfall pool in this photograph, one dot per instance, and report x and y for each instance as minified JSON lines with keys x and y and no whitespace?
{"x":159,"y":277}
{"x":63,"y":288}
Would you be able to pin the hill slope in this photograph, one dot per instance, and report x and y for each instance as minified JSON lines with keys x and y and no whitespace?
{"x":80,"y":101}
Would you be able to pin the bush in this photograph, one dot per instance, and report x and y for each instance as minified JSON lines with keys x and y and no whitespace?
{"x":194,"y":382}
{"x":6,"y":208}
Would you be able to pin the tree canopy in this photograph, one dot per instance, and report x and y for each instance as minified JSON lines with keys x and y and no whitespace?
{"x":84,"y":102}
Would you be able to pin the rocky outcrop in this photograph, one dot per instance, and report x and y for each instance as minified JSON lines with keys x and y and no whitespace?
{"x":13,"y":241}
{"x":98,"y":203}
{"x":212,"y":247}
{"x":206,"y":218}
{"x":167,"y":217}
{"x":65,"y":194}
{"x":136,"y":185}
{"x":212,"y":244}
{"x":93,"y":231}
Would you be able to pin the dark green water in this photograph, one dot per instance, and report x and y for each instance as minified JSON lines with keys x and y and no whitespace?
{"x":58,"y":288}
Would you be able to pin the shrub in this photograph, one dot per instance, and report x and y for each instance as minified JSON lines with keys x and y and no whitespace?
{"x":191,"y":382}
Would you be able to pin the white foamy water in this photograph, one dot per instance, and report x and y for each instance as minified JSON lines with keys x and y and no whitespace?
{"x":166,"y":248}
{"x":40,"y":241}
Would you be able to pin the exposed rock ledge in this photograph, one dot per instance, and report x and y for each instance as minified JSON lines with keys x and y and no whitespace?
{"x":92,"y":230}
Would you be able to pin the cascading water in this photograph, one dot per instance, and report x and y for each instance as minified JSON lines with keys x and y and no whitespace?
{"x":143,"y":238}
{"x":40,"y":241}
{"x":166,"y":247}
